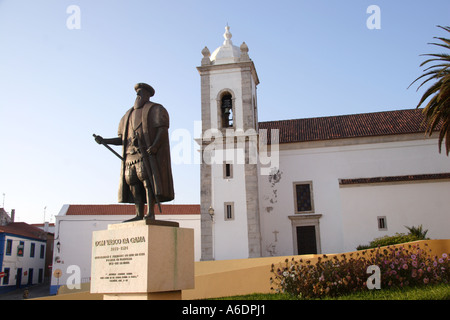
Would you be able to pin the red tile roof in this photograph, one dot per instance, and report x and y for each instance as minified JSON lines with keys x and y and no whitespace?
{"x":348,"y":126}
{"x":127,"y":209}
{"x":23,"y":229}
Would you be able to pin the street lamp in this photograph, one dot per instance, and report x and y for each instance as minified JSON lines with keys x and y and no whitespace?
{"x":211,"y":212}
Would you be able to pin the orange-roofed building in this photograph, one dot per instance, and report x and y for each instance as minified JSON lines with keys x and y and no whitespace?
{"x":22,"y":254}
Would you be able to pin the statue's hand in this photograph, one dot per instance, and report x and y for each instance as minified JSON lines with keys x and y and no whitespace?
{"x":152,"y":150}
{"x":99,"y":139}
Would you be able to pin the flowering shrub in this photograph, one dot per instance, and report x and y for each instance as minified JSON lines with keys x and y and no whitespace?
{"x":407,"y":265}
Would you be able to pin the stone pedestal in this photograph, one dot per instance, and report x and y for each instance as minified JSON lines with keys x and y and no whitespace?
{"x":142,"y":260}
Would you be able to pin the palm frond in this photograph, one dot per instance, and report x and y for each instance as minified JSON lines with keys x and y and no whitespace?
{"x":446,"y":28}
{"x":430,"y":91}
{"x":446,"y":46}
{"x":437,"y":110}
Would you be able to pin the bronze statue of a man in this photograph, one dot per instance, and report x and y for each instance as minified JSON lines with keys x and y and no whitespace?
{"x":146,"y":174}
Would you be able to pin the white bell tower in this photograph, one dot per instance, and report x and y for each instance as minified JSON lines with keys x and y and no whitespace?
{"x":230,"y":222}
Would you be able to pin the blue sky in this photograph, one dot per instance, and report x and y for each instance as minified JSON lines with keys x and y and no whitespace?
{"x":58,"y":86}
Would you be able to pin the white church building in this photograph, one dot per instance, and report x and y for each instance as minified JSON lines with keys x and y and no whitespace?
{"x":319,"y":185}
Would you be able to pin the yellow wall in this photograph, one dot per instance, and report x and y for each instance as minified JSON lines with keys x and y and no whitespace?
{"x":238,"y":277}
{"x":225,"y":278}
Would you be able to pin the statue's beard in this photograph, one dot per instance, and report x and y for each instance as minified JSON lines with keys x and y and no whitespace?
{"x":139,"y":102}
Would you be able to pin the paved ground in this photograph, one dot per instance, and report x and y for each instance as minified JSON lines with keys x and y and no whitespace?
{"x":36,"y":291}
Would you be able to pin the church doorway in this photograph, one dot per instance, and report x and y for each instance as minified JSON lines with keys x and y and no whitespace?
{"x":306,"y":240}
{"x":306,"y":233}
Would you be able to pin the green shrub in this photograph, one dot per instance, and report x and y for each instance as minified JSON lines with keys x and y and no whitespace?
{"x":399,"y":267}
{"x":415,"y":233}
{"x":418,"y":232}
{"x":389,"y":241}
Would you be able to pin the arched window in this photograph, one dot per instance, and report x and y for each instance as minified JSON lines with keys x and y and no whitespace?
{"x":226,"y":107}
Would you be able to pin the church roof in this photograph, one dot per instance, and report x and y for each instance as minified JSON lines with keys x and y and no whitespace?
{"x":348,"y":126}
{"x":125,"y":209}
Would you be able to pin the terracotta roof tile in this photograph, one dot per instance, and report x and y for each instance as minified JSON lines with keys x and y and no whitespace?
{"x":348,"y":126}
{"x":127,"y":209}
{"x":23,"y":229}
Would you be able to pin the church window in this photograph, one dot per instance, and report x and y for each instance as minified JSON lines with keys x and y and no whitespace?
{"x":382,"y":223}
{"x":229,"y":211}
{"x":303,"y":197}
{"x":226,"y":108}
{"x":228,"y":171}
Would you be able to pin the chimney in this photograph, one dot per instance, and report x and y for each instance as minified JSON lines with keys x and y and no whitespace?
{"x":13,"y":214}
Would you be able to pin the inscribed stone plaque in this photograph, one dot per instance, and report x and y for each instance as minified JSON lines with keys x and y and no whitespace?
{"x":135,"y":258}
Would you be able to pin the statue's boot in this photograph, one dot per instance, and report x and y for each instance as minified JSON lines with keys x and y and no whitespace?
{"x":150,"y":216}
{"x":139,"y":213}
{"x":150,"y":212}
{"x":136,"y":218}
{"x":151,"y":203}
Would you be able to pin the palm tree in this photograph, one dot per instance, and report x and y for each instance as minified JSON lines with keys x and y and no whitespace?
{"x":437,"y":111}
{"x":418,"y":232}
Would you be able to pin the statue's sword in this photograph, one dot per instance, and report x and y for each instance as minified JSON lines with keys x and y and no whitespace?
{"x":109,"y":148}
{"x":149,"y":168}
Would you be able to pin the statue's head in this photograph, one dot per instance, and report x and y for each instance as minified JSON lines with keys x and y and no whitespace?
{"x":143,"y":92}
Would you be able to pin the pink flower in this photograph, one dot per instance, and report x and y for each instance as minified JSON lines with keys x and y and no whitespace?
{"x":425,"y":280}
{"x":413,"y":256}
{"x":444,"y":255}
{"x":405,"y":266}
